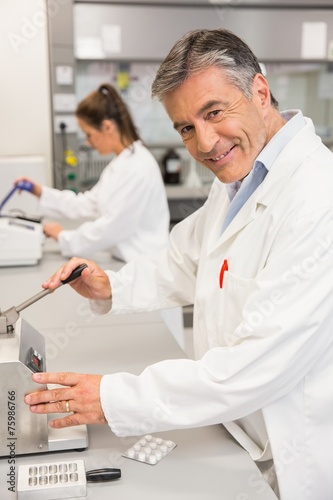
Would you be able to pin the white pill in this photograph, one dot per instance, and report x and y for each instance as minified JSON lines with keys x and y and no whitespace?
{"x":169,"y":444}
{"x":152,"y":459}
{"x":131,"y":452}
{"x":137,"y":447}
{"x":148,"y":437}
{"x":163,"y":448}
{"x":142,"y":456}
{"x":147,"y":450}
{"x":143,"y":442}
{"x":159,"y":440}
{"x":153,"y":445}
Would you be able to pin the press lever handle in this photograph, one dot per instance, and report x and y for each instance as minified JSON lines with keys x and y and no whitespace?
{"x":101,"y":475}
{"x":75,"y":274}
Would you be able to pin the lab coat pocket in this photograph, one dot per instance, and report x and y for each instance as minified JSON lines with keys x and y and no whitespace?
{"x":234,"y":294}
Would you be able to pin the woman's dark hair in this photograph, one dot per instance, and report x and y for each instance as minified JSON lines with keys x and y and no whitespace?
{"x":106,"y":104}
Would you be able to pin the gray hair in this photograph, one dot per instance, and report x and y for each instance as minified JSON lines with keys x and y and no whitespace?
{"x":200,"y":49}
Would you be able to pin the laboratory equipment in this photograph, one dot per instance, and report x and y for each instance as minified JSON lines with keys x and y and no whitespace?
{"x":21,"y":236}
{"x":193,"y":179}
{"x":22,"y":353}
{"x":21,"y":241}
{"x":52,"y":480}
{"x":171,"y":165}
{"x":69,"y":160}
{"x":21,"y":185}
{"x":59,"y":479}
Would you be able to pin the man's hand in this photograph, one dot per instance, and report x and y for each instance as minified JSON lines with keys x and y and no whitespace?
{"x":79,"y":398}
{"x":93,"y":283}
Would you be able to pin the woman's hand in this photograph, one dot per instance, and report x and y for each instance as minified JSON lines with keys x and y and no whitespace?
{"x":92,"y":284}
{"x":36,"y":189}
{"x":79,"y":398}
{"x":52,"y":229}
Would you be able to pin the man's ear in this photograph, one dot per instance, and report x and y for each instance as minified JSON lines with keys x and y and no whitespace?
{"x":260,"y":89}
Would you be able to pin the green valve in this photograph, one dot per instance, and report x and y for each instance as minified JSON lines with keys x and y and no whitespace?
{"x":71,"y":176}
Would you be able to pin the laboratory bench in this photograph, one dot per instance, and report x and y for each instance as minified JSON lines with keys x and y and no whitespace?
{"x":206,"y":462}
{"x":183,"y":200}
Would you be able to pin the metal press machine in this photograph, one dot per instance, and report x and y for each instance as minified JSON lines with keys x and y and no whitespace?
{"x":22,"y":352}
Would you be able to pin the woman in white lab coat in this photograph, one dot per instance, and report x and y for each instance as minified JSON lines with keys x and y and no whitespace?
{"x":262,"y":286}
{"x":127,"y":209}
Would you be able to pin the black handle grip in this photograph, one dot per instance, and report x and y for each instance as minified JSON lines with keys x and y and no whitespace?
{"x":100,"y":475}
{"x":75,"y":274}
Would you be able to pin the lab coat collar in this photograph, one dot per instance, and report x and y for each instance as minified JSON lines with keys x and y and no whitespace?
{"x":304,"y":143}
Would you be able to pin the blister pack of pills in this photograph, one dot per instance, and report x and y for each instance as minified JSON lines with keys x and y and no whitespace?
{"x":150,"y":449}
{"x":54,"y":480}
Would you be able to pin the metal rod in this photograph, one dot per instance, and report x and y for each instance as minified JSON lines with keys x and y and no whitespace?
{"x":33,"y":299}
{"x":75,"y":274}
{"x":12,"y":314}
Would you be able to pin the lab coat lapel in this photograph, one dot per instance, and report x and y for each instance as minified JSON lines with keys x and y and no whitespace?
{"x":244,"y":217}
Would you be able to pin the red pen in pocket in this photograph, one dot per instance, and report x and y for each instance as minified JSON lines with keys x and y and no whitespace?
{"x":224,"y":268}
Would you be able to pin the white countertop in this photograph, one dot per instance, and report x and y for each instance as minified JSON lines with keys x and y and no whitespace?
{"x":182,"y":191}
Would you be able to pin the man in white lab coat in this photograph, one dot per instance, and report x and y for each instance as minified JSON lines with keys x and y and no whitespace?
{"x":257,"y":262}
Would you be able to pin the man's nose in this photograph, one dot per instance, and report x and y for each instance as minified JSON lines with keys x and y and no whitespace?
{"x":206,"y":139}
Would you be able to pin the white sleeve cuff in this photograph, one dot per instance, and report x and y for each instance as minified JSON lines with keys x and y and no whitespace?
{"x":99,"y":307}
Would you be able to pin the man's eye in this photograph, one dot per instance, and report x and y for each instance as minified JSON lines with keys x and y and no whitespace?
{"x":186,"y":130}
{"x":214,"y":113}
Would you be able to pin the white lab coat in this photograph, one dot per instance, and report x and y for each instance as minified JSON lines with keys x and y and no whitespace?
{"x":263,"y":342}
{"x":128,"y":207}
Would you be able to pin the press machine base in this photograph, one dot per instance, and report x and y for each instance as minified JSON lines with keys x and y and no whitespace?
{"x":22,"y":353}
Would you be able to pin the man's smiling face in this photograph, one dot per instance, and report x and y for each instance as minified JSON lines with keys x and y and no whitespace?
{"x":220,"y":127}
